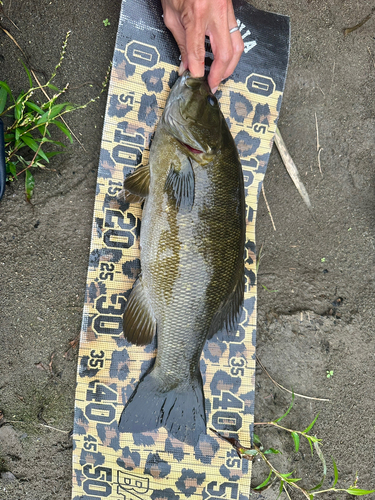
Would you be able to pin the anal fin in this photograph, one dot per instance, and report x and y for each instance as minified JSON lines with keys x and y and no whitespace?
{"x":139,"y":322}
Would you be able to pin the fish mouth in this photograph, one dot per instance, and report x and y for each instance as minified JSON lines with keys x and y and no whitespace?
{"x":191,"y":149}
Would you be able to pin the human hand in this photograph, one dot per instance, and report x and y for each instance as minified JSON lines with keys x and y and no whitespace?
{"x":189,"y":21}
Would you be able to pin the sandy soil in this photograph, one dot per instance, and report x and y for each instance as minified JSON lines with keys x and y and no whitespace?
{"x":308,"y":263}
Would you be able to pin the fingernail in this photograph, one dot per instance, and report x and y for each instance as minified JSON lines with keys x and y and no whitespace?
{"x":181,"y":69}
{"x":214,"y":90}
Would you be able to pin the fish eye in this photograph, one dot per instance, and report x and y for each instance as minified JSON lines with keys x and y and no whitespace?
{"x":212,"y":101}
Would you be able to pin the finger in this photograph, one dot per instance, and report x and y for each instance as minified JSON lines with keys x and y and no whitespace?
{"x":195,"y":48}
{"x":221,"y":44}
{"x":175,"y":27}
{"x":237,"y":42}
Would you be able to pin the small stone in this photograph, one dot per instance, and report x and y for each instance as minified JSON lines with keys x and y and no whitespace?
{"x":9,"y":442}
{"x":8,"y":476}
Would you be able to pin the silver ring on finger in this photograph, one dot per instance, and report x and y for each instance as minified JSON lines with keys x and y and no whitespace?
{"x":236,"y":28}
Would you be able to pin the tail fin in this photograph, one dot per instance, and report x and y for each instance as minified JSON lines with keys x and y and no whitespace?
{"x":180,"y":410}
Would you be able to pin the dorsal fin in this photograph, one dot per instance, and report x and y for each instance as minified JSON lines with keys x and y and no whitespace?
{"x":228,"y":313}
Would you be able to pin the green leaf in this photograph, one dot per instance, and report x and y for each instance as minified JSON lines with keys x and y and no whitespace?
{"x":321,"y":456}
{"x":9,"y":137}
{"x":256,"y":439}
{"x":54,"y":153}
{"x":358,"y":492}
{"x":43,"y":131}
{"x":293,"y":479}
{"x":287,"y":475}
{"x":64,"y":129}
{"x":11,"y":168}
{"x":251,"y":453}
{"x":295,"y":437}
{"x":29,"y":184}
{"x":56,"y":109}
{"x":42,"y":154}
{"x":5,"y":86}
{"x":34,"y":107}
{"x":56,"y":143}
{"x":30,"y":142}
{"x":281,"y":488}
{"x":314,"y":439}
{"x":3,"y":99}
{"x":18,"y":145}
{"x":18,"y":111}
{"x":318,"y":486}
{"x":311,"y":425}
{"x":43,"y":119}
{"x":28,"y":73}
{"x":271,"y":450}
{"x":287,"y":411}
{"x":53,"y":87}
{"x":51,"y":113}
{"x":264,"y":482}
{"x":17,"y":133}
{"x":336,"y":472}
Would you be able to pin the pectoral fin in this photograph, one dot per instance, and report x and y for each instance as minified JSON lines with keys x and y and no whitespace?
{"x":180,"y":185}
{"x":137,"y":185}
{"x":139,"y":321}
{"x":228,"y":313}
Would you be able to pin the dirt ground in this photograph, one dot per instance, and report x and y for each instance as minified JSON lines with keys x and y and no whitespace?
{"x":316,"y":276}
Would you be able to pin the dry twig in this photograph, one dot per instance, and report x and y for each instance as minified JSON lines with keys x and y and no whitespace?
{"x":318,"y":146}
{"x":283,"y":388}
{"x":291,"y":168}
{"x":361,"y":23}
{"x":268,"y":207}
{"x":37,"y":423}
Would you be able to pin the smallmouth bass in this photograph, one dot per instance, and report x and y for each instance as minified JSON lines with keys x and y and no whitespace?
{"x":192,"y":269}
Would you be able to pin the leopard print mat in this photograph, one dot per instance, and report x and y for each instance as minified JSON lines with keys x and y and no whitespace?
{"x":153,"y":465}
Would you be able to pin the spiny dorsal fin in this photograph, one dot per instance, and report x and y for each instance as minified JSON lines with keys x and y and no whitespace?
{"x":137,"y":185}
{"x":228,"y":313}
{"x":139,"y":321}
{"x":180,"y":185}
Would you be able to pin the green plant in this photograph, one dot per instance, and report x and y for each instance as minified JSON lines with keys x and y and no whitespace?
{"x":28,"y":132}
{"x":329,"y":373}
{"x":106,"y":22}
{"x":287,"y":479}
{"x":268,"y":290}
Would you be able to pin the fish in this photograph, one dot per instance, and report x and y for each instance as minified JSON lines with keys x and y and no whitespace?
{"x":192,"y":240}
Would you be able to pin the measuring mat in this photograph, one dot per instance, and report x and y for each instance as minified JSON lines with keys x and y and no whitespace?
{"x":154,"y":465}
